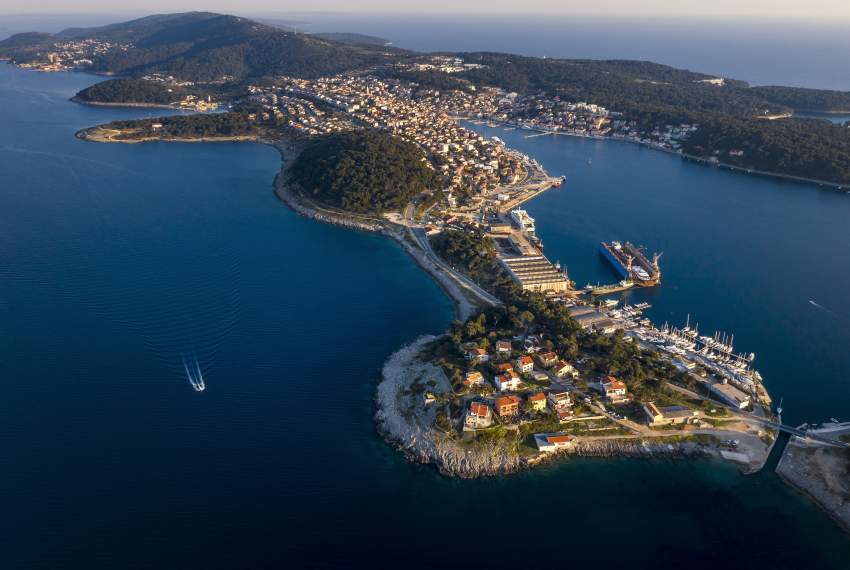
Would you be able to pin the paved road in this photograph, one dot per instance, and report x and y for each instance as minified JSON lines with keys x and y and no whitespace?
{"x":418,"y":234}
{"x":765,"y":421}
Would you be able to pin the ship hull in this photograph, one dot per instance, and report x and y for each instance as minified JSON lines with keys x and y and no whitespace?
{"x":620,"y":266}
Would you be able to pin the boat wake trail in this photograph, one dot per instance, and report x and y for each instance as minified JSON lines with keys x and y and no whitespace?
{"x":829,"y":311}
{"x":194,"y":374}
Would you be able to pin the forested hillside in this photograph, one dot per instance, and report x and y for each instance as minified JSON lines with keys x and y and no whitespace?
{"x":132,"y":91}
{"x":362,"y":171}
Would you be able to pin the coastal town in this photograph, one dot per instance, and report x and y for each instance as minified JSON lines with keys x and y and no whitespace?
{"x":482,"y":185}
{"x":400,"y":106}
{"x":513,"y":390}
{"x":295,"y":286}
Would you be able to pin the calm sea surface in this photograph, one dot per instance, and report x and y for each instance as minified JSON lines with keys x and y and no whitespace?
{"x":761,"y":51}
{"x":116,"y":260}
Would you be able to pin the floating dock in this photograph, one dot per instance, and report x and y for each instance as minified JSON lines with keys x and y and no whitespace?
{"x":631,"y":263}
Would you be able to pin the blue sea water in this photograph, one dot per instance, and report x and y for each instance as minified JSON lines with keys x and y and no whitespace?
{"x":762,"y":258}
{"x":117,"y":259}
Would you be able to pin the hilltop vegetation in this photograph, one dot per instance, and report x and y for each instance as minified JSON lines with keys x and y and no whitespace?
{"x":213,"y":125}
{"x":800,"y":99}
{"x":797,"y":147}
{"x":205,"y":47}
{"x":618,"y":84}
{"x":362,"y":171}
{"x":474,"y":254}
{"x":131,"y":91}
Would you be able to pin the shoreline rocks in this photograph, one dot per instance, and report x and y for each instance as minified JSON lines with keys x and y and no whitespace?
{"x":464,"y":308}
{"x":407,"y":423}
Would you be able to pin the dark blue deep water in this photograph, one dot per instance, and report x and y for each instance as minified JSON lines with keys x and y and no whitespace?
{"x":115,"y":260}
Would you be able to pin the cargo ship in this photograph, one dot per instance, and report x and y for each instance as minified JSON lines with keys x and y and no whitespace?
{"x":631,"y":263}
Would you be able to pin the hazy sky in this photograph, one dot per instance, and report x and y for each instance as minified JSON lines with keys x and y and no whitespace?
{"x":818,"y":9}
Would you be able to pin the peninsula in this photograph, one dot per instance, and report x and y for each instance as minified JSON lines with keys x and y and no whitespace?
{"x":369,"y":135}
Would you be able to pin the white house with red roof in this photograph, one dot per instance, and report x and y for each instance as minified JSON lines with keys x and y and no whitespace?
{"x":525,"y":364}
{"x":615,"y":390}
{"x":473,"y":378}
{"x":478,"y":415}
{"x":564,"y":368}
{"x":552,"y":441}
{"x":548,"y":359}
{"x":477,"y":355}
{"x":507,"y":381}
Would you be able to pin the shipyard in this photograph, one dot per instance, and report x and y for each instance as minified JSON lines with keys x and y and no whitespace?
{"x":631,"y":263}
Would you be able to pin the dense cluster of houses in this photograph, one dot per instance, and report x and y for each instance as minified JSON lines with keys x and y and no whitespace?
{"x":73,"y":54}
{"x":512,"y":393}
{"x":468,"y":163}
{"x":531,"y":111}
{"x":297,"y":113}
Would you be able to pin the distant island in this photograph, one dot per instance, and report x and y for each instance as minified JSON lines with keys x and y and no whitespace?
{"x":533,"y":368}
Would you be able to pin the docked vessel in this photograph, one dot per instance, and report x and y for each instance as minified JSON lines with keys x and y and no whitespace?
{"x":523,"y":221}
{"x":631,"y":263}
{"x":623,"y":285}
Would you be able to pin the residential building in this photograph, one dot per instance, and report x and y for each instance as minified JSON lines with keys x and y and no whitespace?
{"x":503,"y":346}
{"x":478,"y":415}
{"x":561,"y":400}
{"x":507,"y":381}
{"x":525,"y":364}
{"x":615,"y":390}
{"x":477,"y":355}
{"x":564,"y":414}
{"x":507,"y":406}
{"x":552,"y":441}
{"x":473,"y":378}
{"x":563,"y":368}
{"x":537,"y":402}
{"x":548,"y":359}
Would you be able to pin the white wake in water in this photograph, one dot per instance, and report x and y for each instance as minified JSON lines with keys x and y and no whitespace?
{"x":194,"y":375}
{"x":829,"y":311}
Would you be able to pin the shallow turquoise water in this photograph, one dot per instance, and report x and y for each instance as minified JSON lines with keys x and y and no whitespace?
{"x":116,"y":259}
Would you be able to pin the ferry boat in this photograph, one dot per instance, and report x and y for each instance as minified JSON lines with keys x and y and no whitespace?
{"x":523,"y":221}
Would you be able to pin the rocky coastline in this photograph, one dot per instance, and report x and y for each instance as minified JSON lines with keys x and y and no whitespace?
{"x":406,"y":422}
{"x":289,"y":150}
